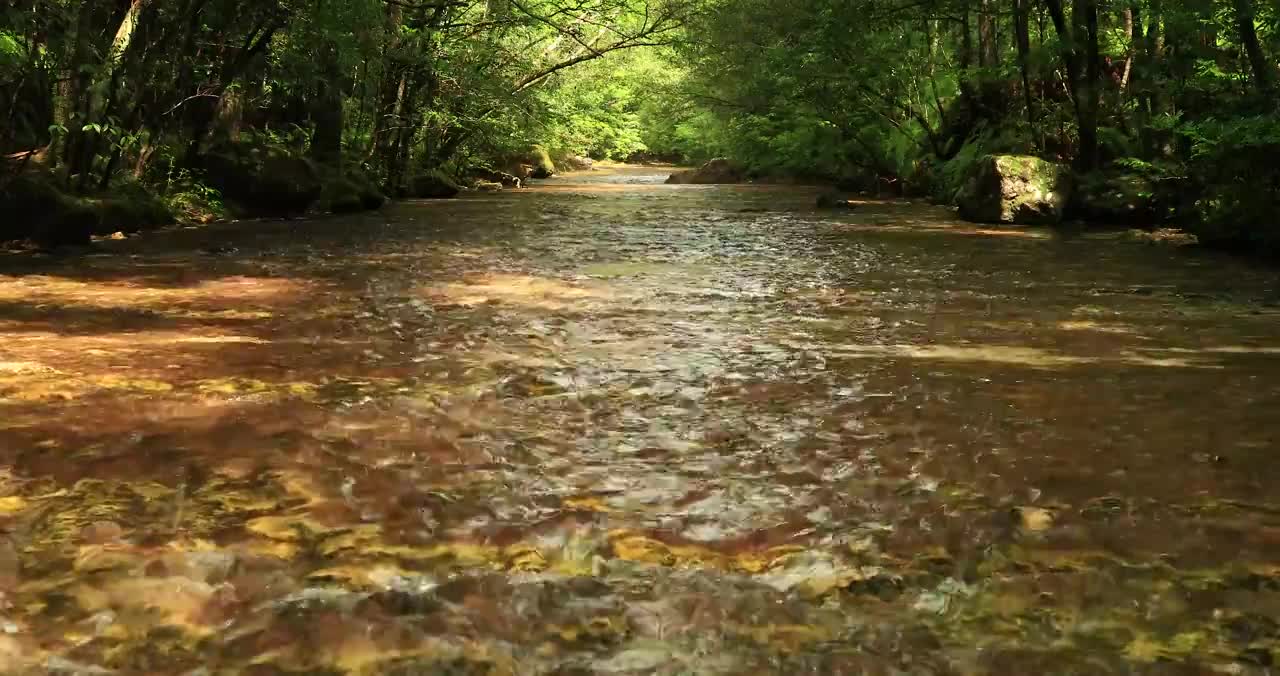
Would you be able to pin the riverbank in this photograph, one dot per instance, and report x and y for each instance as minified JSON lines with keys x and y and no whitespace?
{"x":213,"y":236}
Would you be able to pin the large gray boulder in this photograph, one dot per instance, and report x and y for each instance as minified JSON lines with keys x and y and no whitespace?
{"x":717,"y":171}
{"x":1015,"y":189}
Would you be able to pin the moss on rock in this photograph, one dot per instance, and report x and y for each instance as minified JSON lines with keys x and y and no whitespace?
{"x":263,"y":181}
{"x":40,"y":211}
{"x":1015,"y":189}
{"x":433,"y":184}
{"x":371,"y":196}
{"x":341,"y":196}
{"x":540,"y":159}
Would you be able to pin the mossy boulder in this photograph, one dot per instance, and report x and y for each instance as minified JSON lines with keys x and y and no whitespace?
{"x":433,"y":184}
{"x":287,"y":185}
{"x":30,"y":204}
{"x":1015,"y":190}
{"x":718,"y":171}
{"x":263,"y":181}
{"x":371,"y":196}
{"x":349,"y":192}
{"x":36,"y":208}
{"x":115,"y":214}
{"x":132,"y":208}
{"x":542,"y":161}
{"x":341,"y":196}
{"x":1123,"y":199}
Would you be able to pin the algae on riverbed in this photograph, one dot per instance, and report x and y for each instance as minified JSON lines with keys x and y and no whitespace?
{"x":650,"y":435}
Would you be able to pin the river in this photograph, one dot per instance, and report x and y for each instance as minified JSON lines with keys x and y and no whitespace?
{"x":609,"y":426}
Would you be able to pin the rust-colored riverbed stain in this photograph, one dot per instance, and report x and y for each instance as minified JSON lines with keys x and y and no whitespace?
{"x":610,"y":426}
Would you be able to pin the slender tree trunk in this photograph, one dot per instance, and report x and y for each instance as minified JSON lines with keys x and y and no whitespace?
{"x":966,"y":59}
{"x":1127,"y":20}
{"x":990,"y":84}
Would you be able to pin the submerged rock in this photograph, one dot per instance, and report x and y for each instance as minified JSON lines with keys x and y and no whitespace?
{"x":718,"y":171}
{"x":1035,"y":519}
{"x":1015,"y":189}
{"x":433,"y":184}
{"x":502,"y":178}
{"x":578,"y":163}
{"x":835,"y":201}
{"x":1163,"y":237}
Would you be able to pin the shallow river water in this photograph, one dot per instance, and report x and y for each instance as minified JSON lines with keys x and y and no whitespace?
{"x":608,"y":426}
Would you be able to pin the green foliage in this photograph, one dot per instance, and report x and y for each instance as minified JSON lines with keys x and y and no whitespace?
{"x":1236,"y":181}
{"x":858,"y":92}
{"x":952,"y":173}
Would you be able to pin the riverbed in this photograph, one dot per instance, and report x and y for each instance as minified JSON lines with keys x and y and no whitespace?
{"x":609,"y":426}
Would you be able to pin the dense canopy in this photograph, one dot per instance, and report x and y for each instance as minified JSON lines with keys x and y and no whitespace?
{"x":1168,"y":106}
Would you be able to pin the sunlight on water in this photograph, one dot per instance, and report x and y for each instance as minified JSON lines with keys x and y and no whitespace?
{"x":611,"y":426}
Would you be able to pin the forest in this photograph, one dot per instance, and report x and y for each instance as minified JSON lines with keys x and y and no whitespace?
{"x":128,"y":114}
{"x":402,"y":337}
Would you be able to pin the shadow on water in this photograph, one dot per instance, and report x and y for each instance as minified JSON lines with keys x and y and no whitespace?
{"x":606,"y":425}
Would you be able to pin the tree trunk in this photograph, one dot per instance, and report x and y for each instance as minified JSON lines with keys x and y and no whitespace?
{"x":1148,"y":96}
{"x":1082,"y":86}
{"x":76,"y":90}
{"x":255,"y":44}
{"x":989,"y":61}
{"x":1127,"y":19}
{"x":966,"y":60}
{"x":1022,"y":36}
{"x":326,"y":112}
{"x":1262,"y":69}
{"x":1087,"y":159}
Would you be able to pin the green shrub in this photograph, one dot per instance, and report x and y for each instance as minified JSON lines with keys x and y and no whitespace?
{"x":1236,"y":186}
